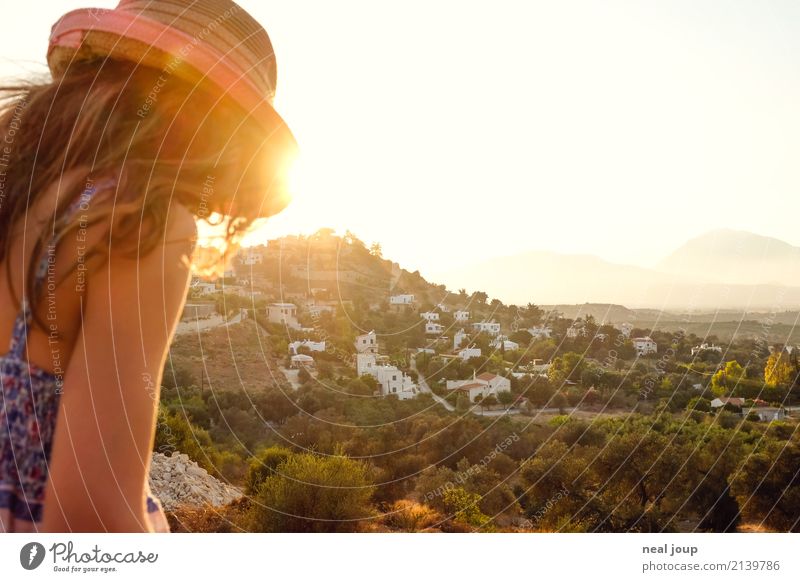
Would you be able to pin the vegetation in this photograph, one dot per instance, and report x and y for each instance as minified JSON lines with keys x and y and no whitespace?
{"x":602,"y":440}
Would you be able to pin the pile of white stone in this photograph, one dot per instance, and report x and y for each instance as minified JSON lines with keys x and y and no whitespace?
{"x":177,"y":480}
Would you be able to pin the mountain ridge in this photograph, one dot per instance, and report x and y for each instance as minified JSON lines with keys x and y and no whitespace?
{"x":719,"y":269}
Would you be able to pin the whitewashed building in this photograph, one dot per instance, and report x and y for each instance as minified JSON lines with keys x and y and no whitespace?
{"x":502,"y":343}
{"x":540,"y":332}
{"x":367,"y":343}
{"x":404,"y":299}
{"x":576,"y":330}
{"x":432,"y":328}
{"x":393,"y":381}
{"x":430,"y":316}
{"x":252,"y":256}
{"x":490,"y":327}
{"x":458,"y":338}
{"x":484,"y":385}
{"x":311,"y":346}
{"x":706,"y":348}
{"x":644,"y":345}
{"x":625,"y":329}
{"x":766,"y":413}
{"x":203,"y":287}
{"x":461,"y":316}
{"x":284,"y":314}
{"x":471,"y":352}
{"x":302,"y":361}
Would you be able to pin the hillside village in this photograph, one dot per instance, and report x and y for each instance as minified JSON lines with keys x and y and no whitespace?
{"x":320,"y":344}
{"x":326,"y":295}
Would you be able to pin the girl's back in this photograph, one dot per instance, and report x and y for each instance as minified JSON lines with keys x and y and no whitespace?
{"x":105,"y":171}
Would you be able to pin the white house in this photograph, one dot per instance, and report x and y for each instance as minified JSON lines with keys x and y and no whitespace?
{"x":401,"y":300}
{"x":311,"y":346}
{"x":483,"y":385}
{"x":766,"y":413}
{"x":252,"y":256}
{"x":461,"y":316}
{"x":540,"y":331}
{"x":367,"y":343}
{"x":316,"y":310}
{"x":625,"y":329}
{"x":433,"y":328}
{"x":302,"y":361}
{"x":458,"y":338}
{"x":537,"y":367}
{"x":576,"y":330}
{"x":443,"y":308}
{"x":644,"y":346}
{"x":706,"y":348}
{"x":490,"y":327}
{"x":430,"y":316}
{"x":471,"y":352}
{"x":283,"y":313}
{"x":722,"y":401}
{"x":391,"y":379}
{"x":501,"y":343}
{"x":203,"y":287}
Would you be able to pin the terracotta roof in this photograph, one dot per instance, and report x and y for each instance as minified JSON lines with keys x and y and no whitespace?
{"x":487,"y":376}
{"x":734,"y":401}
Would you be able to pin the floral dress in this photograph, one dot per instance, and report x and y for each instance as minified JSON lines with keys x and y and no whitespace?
{"x":29,"y":399}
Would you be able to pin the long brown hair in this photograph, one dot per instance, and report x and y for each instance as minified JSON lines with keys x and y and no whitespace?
{"x":163,"y":140}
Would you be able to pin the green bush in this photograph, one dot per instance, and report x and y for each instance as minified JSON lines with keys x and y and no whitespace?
{"x":309,"y":493}
{"x":264,"y":465}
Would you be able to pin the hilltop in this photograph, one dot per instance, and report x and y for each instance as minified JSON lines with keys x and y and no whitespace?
{"x":718,"y":270}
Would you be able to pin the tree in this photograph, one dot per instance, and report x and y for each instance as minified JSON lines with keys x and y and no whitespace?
{"x":700,"y":404}
{"x":375,"y":250}
{"x":778,"y":370}
{"x":540,"y":391}
{"x":178,"y":377}
{"x":359,"y":386}
{"x":264,"y":465}
{"x":303,"y":375}
{"x":726,"y":378}
{"x":768,"y":487}
{"x":490,"y":400}
{"x":559,"y":401}
{"x":310,"y":493}
{"x":480,"y":297}
{"x":505,"y":397}
{"x":570,"y":366}
{"x":522,"y":337}
{"x":462,"y":403}
{"x":463,"y":507}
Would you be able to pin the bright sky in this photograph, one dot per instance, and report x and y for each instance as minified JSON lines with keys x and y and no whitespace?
{"x":458,"y":130}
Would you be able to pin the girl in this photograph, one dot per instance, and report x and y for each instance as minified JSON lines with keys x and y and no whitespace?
{"x":158,"y":114}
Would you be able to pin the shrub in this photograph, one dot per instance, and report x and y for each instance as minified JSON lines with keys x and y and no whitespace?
{"x":264,"y":465}
{"x":309,"y":493}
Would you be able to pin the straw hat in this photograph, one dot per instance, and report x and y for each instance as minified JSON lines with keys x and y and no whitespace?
{"x":213,"y":41}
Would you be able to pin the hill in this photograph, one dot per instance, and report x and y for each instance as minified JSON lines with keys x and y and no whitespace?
{"x":719,"y":270}
{"x":735,"y":257}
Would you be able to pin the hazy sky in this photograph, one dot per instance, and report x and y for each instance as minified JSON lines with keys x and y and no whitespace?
{"x":458,"y":130}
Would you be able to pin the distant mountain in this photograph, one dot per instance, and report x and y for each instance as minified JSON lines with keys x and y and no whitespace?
{"x":605,"y":312}
{"x":736,"y":257}
{"x":546,"y":277}
{"x":719,"y":270}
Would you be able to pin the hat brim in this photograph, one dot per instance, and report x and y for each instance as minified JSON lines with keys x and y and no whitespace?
{"x":116,"y":33}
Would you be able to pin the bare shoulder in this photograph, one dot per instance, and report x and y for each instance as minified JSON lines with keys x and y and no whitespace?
{"x":170,"y":257}
{"x":153,"y":285}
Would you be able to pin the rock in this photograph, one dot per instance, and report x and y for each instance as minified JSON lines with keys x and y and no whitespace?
{"x":176,"y":480}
